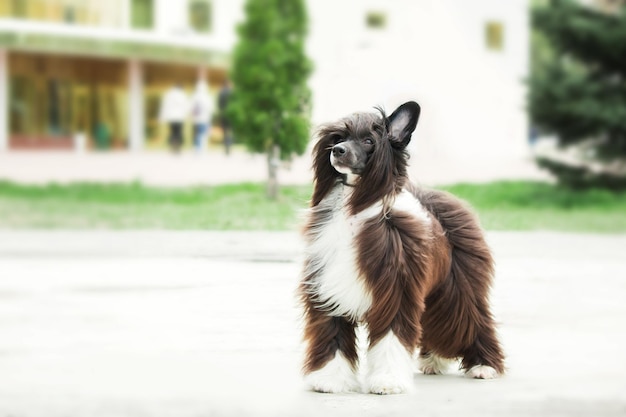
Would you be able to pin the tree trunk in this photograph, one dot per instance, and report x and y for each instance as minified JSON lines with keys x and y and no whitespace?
{"x":273,"y":162}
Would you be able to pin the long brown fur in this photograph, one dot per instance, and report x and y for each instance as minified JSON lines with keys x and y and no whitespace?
{"x":457,"y":321}
{"x":429,"y":282}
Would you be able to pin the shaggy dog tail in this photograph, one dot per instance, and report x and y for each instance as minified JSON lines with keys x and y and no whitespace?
{"x":460,"y":300}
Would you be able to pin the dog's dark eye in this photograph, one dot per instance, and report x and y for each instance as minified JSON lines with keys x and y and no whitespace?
{"x":338,"y":139}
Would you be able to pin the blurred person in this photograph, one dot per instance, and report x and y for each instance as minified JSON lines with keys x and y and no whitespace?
{"x":201,"y":111}
{"x":174,"y":111}
{"x":223,"y":98}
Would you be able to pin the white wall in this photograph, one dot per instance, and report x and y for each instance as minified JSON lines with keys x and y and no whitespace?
{"x":226,"y":15}
{"x":432,"y":51}
{"x":172,"y":18}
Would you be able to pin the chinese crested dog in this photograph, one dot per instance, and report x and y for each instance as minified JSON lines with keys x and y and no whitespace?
{"x":409,"y":265}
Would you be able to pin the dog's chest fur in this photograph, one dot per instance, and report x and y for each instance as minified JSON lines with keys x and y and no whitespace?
{"x":335,"y":279}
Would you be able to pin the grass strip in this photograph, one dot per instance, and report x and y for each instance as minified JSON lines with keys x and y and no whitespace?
{"x":505,"y":205}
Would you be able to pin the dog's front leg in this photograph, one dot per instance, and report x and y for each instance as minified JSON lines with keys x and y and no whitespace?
{"x":395,"y":269}
{"x":390,"y":356}
{"x":331,"y":356}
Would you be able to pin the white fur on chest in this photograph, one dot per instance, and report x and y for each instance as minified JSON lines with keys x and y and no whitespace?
{"x":339,"y":286}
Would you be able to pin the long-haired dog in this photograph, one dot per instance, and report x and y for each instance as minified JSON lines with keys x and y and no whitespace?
{"x":411,"y":265}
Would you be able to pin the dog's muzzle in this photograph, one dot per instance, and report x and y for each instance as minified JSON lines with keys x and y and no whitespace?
{"x":341,"y":159}
{"x":339,"y":150}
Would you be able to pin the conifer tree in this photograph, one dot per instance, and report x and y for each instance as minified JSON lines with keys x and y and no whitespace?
{"x":270,"y":104}
{"x":578,"y":91}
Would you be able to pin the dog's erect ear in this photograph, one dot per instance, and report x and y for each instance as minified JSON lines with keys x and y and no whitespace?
{"x":402,"y":122}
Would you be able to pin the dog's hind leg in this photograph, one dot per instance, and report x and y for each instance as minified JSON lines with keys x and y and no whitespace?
{"x":471,"y":272}
{"x":457,"y":321}
{"x":484,"y":359}
{"x":459,"y":325}
{"x":432,"y":364}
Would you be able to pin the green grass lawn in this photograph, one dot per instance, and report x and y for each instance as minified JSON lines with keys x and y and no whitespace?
{"x":500,"y":206}
{"x":525,"y":205}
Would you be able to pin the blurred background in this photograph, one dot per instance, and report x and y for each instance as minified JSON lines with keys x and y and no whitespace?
{"x":80,"y":68}
{"x":167,"y":286}
{"x":99,"y":69}
{"x":502,"y":85}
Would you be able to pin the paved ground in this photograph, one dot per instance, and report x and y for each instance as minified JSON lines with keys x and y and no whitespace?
{"x":205,"y":324}
{"x":213,"y":167}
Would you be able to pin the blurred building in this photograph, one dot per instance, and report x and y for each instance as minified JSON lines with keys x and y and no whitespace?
{"x":98,"y":67}
{"x":464,"y":61}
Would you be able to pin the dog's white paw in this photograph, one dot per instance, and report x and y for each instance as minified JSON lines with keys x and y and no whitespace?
{"x":335,"y":377}
{"x":390,"y":367}
{"x":482,"y":372}
{"x":433,"y":365}
{"x":330,"y":385}
{"x":430,"y":370}
{"x":388,"y":384}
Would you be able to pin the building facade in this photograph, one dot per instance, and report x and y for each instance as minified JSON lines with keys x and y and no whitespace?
{"x":98,"y":68}
{"x":464,"y":61}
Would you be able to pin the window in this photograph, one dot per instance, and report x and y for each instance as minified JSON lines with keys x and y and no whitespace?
{"x":200,"y":15}
{"x":376,"y":20}
{"x":141,"y":17}
{"x":19,"y":8}
{"x":78,"y":12}
{"x":494,"y":36}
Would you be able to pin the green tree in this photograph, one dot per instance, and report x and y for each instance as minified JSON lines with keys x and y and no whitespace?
{"x":270,"y":104}
{"x":578,"y":91}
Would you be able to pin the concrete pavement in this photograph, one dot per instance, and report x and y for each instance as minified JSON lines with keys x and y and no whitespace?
{"x":99,"y":323}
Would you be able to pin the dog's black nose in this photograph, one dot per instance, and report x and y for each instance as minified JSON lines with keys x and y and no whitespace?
{"x":339,"y":150}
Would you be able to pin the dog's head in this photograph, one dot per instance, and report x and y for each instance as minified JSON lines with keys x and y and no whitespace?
{"x":364,"y":150}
